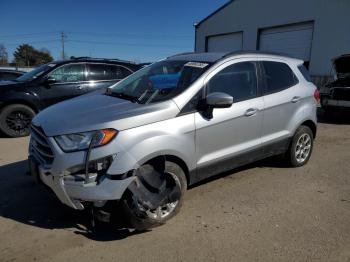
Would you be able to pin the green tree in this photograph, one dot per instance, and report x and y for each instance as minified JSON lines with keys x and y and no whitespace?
{"x":27,"y":55}
{"x":3,"y":55}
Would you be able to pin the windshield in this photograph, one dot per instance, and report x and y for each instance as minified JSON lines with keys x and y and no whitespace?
{"x":34,"y":73}
{"x":159,"y":82}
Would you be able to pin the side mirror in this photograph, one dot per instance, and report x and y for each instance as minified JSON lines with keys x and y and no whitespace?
{"x":49,"y":80}
{"x":219,"y":100}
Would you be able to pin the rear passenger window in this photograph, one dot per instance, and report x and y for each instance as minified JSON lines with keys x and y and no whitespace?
{"x":107,"y":72}
{"x":238,"y":80}
{"x":304,"y":72}
{"x":122,"y":72}
{"x":278,"y":77}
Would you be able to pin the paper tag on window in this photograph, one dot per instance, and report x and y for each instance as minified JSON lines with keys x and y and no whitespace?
{"x":196,"y":64}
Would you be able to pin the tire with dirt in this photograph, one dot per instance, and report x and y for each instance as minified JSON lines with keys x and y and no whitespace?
{"x":155,"y":196}
{"x":300,"y":149}
{"x":15,"y":120}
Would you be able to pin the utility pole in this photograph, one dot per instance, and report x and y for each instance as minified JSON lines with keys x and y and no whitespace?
{"x":63,"y":36}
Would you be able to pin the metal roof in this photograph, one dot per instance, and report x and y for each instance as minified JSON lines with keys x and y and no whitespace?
{"x":213,"y":13}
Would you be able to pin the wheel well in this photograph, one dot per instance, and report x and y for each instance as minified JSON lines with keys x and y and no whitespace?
{"x":22,"y":102}
{"x":160,"y":161}
{"x":311,"y":125}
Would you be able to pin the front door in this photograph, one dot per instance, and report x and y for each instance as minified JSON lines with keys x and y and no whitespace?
{"x":69,"y":82}
{"x":232,"y":136}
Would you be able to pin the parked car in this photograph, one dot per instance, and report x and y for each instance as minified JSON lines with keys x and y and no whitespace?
{"x":8,"y":74}
{"x":22,"y":98}
{"x":145,"y":139}
{"x":337,"y":93}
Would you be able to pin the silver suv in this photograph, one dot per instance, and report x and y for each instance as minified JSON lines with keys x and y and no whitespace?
{"x":144,"y":140}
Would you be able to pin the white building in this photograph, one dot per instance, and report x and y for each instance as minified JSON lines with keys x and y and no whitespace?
{"x":314,"y":30}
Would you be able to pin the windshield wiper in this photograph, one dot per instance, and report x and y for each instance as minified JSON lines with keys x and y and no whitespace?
{"x":121,"y":95}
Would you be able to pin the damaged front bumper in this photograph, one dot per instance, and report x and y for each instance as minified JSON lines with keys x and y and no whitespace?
{"x":74,"y":193}
{"x":66,"y":175}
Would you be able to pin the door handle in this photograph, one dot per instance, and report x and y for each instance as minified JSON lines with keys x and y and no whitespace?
{"x":251,"y":112}
{"x":296,"y":99}
{"x":79,"y":87}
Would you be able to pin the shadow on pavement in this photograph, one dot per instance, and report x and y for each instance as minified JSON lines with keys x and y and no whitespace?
{"x":25,"y":201}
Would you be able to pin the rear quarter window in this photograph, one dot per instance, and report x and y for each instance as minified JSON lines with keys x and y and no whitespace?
{"x":304,"y":72}
{"x":278,"y":76}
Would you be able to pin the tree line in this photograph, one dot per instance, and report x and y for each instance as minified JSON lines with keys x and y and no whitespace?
{"x":25,"y":55}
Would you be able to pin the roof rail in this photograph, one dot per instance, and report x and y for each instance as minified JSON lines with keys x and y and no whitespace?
{"x":184,"y":53}
{"x":101,"y":59}
{"x":255,"y":52}
{"x":79,"y":57}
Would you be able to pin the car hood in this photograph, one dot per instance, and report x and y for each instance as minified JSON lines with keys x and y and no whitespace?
{"x":99,"y":111}
{"x":342,"y":66}
{"x":4,"y":84}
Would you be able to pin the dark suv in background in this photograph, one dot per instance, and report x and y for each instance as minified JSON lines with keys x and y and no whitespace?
{"x":8,"y":74}
{"x":336,"y":94}
{"x":54,"y":82}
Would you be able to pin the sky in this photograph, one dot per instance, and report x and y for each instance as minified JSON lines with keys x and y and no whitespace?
{"x":142,"y":31}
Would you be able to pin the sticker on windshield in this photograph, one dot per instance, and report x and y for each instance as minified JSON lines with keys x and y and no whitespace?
{"x":197,"y":64}
{"x":51,"y":65}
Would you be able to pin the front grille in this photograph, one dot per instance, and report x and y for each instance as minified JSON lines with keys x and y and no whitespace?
{"x":39,"y":146}
{"x":341,"y":94}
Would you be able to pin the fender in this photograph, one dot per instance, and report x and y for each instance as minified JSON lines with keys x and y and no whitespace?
{"x":29,"y":98}
{"x":304,"y":113}
{"x":170,"y":137}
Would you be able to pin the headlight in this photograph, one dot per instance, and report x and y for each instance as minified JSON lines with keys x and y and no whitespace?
{"x":81,"y":141}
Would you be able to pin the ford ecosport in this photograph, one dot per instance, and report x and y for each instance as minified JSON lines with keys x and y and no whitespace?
{"x":170,"y":125}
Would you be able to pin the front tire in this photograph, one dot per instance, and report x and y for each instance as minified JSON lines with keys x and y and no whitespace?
{"x":301,"y":147}
{"x":15,"y":120}
{"x":141,"y":217}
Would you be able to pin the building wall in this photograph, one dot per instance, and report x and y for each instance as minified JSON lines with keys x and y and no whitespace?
{"x":331,"y":18}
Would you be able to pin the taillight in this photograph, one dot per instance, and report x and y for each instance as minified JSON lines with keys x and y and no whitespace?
{"x":317,"y":95}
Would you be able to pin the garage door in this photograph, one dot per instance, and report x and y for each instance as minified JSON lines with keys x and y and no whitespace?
{"x":225,"y":43}
{"x":292,"y":40}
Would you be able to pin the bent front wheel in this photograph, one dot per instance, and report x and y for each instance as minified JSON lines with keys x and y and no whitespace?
{"x":155,"y":196}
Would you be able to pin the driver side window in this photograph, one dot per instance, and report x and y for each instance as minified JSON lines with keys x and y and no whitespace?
{"x":237,"y":80}
{"x":69,"y":73}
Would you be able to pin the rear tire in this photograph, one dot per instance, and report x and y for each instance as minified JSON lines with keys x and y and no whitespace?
{"x":15,"y":120}
{"x":300,"y":149}
{"x":142,"y":219}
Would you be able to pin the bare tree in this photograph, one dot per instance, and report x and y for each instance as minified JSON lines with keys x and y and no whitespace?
{"x":3,"y":55}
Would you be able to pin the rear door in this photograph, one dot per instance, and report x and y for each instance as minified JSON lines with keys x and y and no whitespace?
{"x":233,"y":135}
{"x":104,"y":75}
{"x":69,"y":83}
{"x":282,"y":99}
